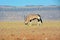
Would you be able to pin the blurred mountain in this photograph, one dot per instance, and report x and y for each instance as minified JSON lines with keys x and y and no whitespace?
{"x":17,"y":13}
{"x":29,"y":8}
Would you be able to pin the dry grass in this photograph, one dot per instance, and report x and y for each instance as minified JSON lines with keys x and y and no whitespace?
{"x":49,"y":30}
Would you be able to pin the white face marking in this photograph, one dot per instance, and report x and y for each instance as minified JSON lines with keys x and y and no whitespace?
{"x":38,"y":17}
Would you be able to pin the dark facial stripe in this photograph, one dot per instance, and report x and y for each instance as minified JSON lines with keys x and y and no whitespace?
{"x":38,"y":15}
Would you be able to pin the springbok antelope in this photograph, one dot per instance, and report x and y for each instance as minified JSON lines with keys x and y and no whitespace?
{"x":32,"y":17}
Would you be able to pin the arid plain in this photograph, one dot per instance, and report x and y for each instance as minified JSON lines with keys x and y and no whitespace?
{"x":48,"y":30}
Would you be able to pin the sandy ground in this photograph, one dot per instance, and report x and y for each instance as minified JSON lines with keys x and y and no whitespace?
{"x":49,"y":30}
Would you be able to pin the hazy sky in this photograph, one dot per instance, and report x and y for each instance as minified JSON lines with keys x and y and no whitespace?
{"x":29,"y":2}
